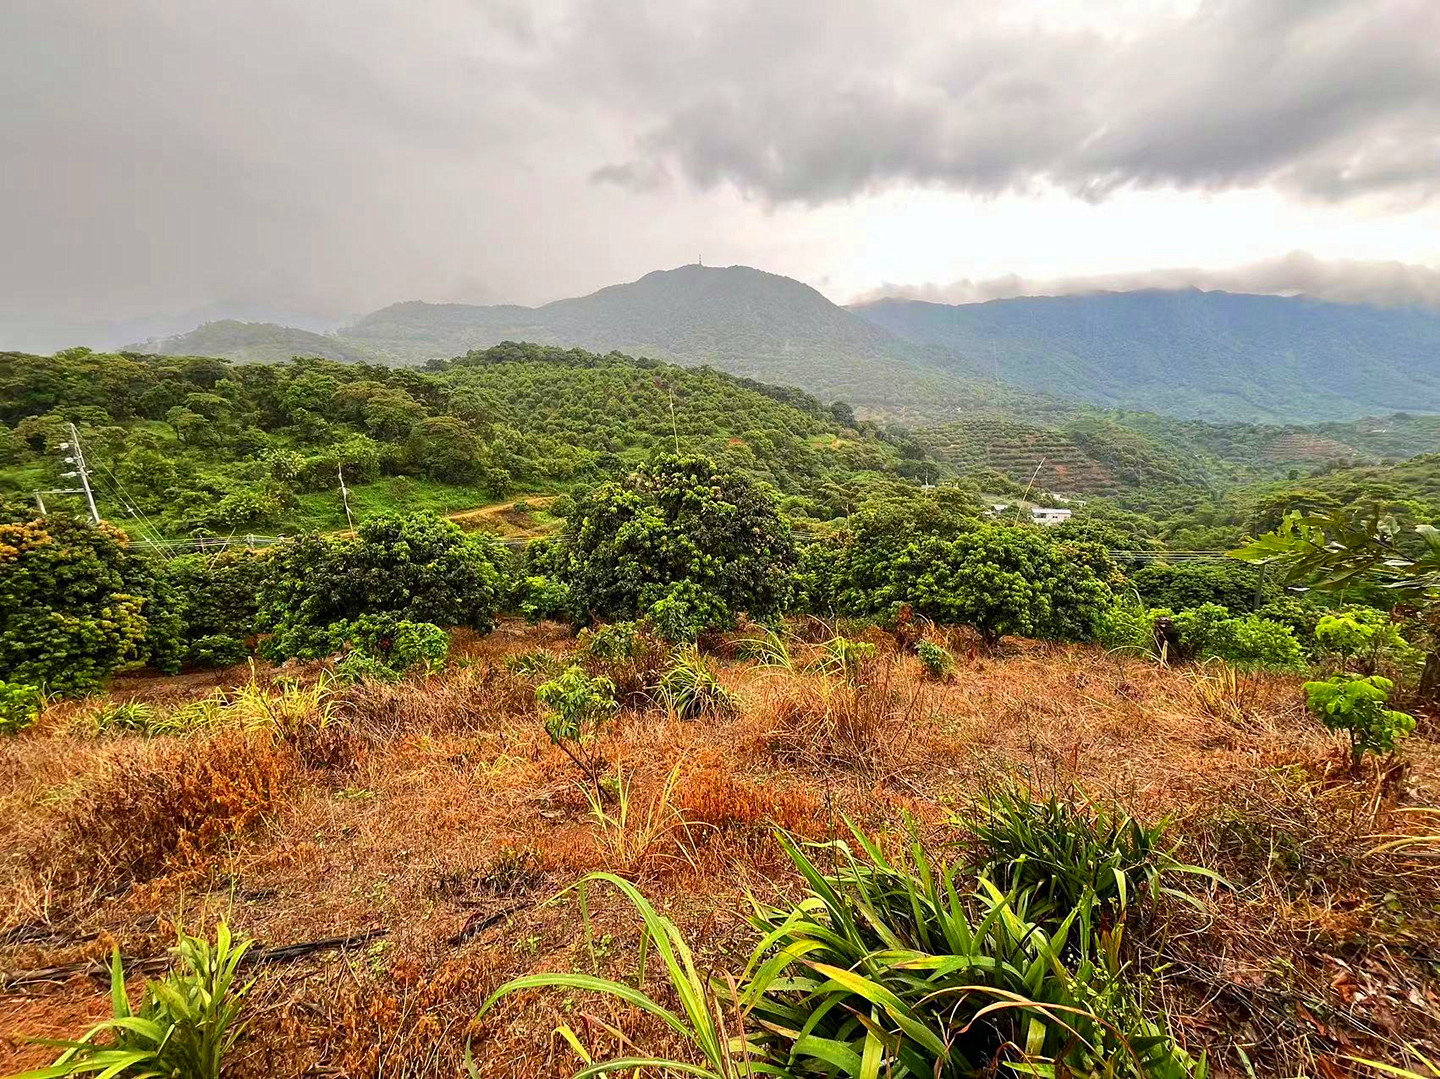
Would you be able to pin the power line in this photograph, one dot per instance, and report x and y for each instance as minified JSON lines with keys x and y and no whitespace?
{"x":127,"y":502}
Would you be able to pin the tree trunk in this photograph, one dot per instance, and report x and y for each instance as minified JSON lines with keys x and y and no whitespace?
{"x":1429,"y":690}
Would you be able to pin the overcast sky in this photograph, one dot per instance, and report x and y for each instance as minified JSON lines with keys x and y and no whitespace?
{"x":326,"y":157}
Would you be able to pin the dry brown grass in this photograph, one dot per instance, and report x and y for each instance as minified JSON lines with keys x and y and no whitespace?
{"x":870,"y":725}
{"x":451,"y":819}
{"x":147,"y":805}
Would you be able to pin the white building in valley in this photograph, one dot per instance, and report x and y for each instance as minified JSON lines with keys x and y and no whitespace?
{"x":1043,"y":515}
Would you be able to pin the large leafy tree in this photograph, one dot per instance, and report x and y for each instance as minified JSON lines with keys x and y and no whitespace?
{"x":629,"y":544}
{"x":1341,"y":551}
{"x":414,"y":568}
{"x":77,"y":603}
{"x":1003,"y":579}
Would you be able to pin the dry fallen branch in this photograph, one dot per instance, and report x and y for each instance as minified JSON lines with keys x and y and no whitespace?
{"x":100,"y":970}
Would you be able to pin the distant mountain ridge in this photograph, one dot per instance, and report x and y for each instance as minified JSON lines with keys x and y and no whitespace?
{"x":1205,"y":355}
{"x":740,"y":320}
{"x":1201,"y":355}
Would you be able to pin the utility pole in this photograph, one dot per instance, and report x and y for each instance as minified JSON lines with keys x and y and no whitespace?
{"x":77,"y":458}
{"x":345,"y":495}
{"x":674,"y":427}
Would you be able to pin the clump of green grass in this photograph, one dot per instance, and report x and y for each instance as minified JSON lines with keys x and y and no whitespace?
{"x":531,"y":663}
{"x":1062,"y":852}
{"x":125,"y":717}
{"x":186,"y":1025}
{"x":770,"y":649}
{"x":844,"y":658}
{"x":894,"y":969}
{"x":689,"y":688}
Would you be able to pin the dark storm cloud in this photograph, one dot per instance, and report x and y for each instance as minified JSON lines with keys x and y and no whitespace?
{"x":1383,"y":284}
{"x":329,"y":156}
{"x":1327,"y":98}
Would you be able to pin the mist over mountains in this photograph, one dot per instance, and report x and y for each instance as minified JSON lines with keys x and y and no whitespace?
{"x":1207,"y":355}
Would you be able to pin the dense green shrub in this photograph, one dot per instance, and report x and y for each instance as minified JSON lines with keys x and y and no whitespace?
{"x":216,"y":650}
{"x":1355,"y":704}
{"x":998,"y":580}
{"x":1211,"y":631}
{"x":77,"y":603}
{"x":540,"y":597}
{"x":418,"y":644}
{"x":628,"y":544}
{"x":416,"y":568}
{"x":1232,"y":585}
{"x":684,"y":610}
{"x":852,"y":573}
{"x":19,"y":706}
{"x":619,"y":640}
{"x":360,"y":666}
{"x":1299,"y":613}
{"x":217,"y":594}
{"x":1128,"y":625}
{"x":938,"y":663}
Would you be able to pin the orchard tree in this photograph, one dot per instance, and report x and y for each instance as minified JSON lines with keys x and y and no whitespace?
{"x":415,"y":568}
{"x":631,"y":544}
{"x":76,"y":603}
{"x":1001,"y":579}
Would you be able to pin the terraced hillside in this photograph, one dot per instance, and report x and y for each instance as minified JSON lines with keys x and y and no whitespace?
{"x":1308,"y":447}
{"x":1090,"y":456}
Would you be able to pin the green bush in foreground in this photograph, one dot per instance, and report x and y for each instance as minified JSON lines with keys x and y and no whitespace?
{"x":576,"y":705}
{"x":938,"y":663}
{"x":186,"y":1024}
{"x":19,"y":706}
{"x":896,"y":970}
{"x":1356,"y":705}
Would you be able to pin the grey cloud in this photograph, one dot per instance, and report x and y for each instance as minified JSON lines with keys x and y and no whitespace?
{"x":330,"y":156}
{"x":1331,"y":99}
{"x":1383,"y":284}
{"x":639,"y":176}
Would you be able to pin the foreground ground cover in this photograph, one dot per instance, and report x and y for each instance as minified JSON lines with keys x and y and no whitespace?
{"x":429,"y":822}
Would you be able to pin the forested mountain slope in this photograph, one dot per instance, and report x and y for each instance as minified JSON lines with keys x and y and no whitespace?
{"x":1198,"y":355}
{"x":256,"y":342}
{"x":1208,"y":355}
{"x":204,"y":446}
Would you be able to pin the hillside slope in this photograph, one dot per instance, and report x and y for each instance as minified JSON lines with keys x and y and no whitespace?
{"x":737,"y":319}
{"x":1207,"y":355}
{"x":264,"y":453}
{"x":255,"y":342}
